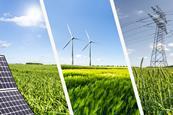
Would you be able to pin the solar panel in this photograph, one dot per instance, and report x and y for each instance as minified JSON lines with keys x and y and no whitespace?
{"x":6,"y":79}
{"x":11,"y":100}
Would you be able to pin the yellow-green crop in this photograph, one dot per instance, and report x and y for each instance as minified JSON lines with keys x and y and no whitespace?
{"x":100,"y":91}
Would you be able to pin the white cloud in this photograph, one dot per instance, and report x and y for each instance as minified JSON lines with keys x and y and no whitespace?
{"x":33,"y":18}
{"x":167,"y":49}
{"x":23,"y":21}
{"x":161,"y":45}
{"x":170,"y":44}
{"x":4,"y":44}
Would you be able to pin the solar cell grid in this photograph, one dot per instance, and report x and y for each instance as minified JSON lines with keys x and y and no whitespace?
{"x":6,"y":79}
{"x":12,"y":102}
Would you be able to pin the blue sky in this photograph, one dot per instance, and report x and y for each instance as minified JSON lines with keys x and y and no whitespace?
{"x":139,"y":39}
{"x":95,"y":17}
{"x":24,"y":38}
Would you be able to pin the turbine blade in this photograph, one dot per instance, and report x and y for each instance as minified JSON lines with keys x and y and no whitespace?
{"x":85,"y":47}
{"x":69,"y":30}
{"x":67,"y":43}
{"x":88,"y":37}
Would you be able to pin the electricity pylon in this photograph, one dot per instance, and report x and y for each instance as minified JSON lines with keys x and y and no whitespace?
{"x":158,"y":56}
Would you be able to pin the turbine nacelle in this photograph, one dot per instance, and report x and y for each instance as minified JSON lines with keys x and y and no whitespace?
{"x":91,"y":42}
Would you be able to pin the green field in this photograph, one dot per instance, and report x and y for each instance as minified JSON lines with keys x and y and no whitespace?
{"x":100,"y":90}
{"x":155,"y":86}
{"x":92,"y":90}
{"x":41,"y":88}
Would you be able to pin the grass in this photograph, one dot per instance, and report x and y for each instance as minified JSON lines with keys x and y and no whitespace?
{"x":155,"y":89}
{"x":41,"y":88}
{"x":100,"y":91}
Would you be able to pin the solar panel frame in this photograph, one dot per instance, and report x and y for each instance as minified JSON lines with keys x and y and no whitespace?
{"x":11,"y":100}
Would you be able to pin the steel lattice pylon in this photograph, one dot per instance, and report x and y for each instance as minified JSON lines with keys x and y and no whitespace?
{"x":158,"y":56}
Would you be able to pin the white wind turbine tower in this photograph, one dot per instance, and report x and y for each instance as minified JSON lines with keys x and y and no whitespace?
{"x":72,"y":44}
{"x":90,"y":47}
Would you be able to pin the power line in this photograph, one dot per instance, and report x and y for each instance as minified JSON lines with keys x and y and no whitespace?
{"x":139,"y":27}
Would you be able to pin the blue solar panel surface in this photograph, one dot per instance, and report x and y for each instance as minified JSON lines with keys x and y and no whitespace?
{"x":6,"y":79}
{"x":11,"y":100}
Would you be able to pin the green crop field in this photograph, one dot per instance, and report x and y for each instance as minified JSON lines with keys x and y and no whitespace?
{"x":100,"y":90}
{"x":92,"y":90}
{"x":155,"y":86}
{"x":41,"y":88}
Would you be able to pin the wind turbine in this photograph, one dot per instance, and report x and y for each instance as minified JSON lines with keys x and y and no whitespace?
{"x":72,"y":44}
{"x":90,"y":46}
